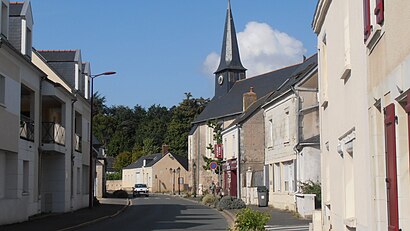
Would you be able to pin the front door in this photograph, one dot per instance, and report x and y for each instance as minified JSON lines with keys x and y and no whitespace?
{"x":233,"y":183}
{"x":391,"y":168}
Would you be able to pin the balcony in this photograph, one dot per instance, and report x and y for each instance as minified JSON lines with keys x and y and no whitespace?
{"x":53,"y":137}
{"x":77,"y":143}
{"x":26,"y":128}
{"x":53,"y":133}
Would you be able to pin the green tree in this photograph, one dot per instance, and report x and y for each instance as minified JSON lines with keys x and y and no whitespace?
{"x":122,"y":160}
{"x":217,"y":137}
{"x":180,"y":125}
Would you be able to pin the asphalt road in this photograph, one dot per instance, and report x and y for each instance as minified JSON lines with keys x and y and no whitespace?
{"x":161,"y":212}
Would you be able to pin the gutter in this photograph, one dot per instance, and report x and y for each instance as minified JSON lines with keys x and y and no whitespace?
{"x":73,"y":100}
{"x":297,"y":137}
{"x":40,"y":143}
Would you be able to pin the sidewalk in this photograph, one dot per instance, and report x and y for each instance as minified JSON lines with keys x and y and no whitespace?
{"x":280,"y":217}
{"x":70,"y":220}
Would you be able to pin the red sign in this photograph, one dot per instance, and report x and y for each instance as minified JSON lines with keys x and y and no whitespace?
{"x":219,"y":151}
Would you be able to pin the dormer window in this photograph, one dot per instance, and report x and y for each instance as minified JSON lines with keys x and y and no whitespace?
{"x":28,"y":41}
{"x":4,"y":19}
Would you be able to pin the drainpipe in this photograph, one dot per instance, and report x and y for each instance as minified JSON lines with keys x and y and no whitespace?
{"x":40,"y":144}
{"x":297,"y":167}
{"x":238,"y":164}
{"x":73,"y":100}
{"x":198,"y":166}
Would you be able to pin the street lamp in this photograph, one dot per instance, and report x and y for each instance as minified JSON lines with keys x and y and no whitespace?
{"x":172,"y":172}
{"x":91,"y":179}
{"x":194,"y":168}
{"x":179,"y":180}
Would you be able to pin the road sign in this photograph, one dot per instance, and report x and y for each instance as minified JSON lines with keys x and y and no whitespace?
{"x":213,"y":165}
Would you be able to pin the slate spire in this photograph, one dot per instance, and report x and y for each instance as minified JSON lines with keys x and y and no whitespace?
{"x":230,"y":58}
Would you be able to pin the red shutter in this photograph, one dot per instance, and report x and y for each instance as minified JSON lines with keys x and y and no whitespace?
{"x":379,"y":11}
{"x":391,"y":168}
{"x":366,"y":19}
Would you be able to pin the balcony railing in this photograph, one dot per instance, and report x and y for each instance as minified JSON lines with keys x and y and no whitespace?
{"x":26,"y":128}
{"x":77,"y":142}
{"x":53,"y":133}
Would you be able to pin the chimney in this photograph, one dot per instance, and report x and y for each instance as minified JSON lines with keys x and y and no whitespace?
{"x":165,"y":149}
{"x":248,"y":99}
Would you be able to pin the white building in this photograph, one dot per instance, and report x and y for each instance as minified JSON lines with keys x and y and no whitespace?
{"x":363,"y":73}
{"x":20,"y":127}
{"x":44,"y":126}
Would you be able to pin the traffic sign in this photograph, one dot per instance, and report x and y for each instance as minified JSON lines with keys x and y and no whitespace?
{"x":213,"y":165}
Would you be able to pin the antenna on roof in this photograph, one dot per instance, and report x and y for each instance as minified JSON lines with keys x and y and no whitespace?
{"x":304,"y":58}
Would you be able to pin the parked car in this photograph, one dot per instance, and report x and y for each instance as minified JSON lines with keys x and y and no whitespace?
{"x":140,"y":189}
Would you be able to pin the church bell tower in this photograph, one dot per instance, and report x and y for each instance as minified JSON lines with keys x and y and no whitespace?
{"x":230,"y":68}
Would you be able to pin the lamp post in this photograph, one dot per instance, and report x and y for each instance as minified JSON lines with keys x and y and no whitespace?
{"x":172,"y":172}
{"x":179,"y":180}
{"x":91,"y":179}
{"x":194,"y":168}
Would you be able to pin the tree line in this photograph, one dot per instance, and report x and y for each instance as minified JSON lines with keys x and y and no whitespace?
{"x":130,"y":133}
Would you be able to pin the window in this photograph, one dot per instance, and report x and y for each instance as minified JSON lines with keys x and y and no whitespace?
{"x":270,"y":141}
{"x":3,"y":178}
{"x":379,"y":11}
{"x":288,"y":176}
{"x":233,"y":145}
{"x":287,"y":127}
{"x":25,"y":176}
{"x":366,"y":18}
{"x":2,"y":90}
{"x":85,"y":179}
{"x":4,"y":20}
{"x":78,"y":181}
{"x":28,"y":41}
{"x":277,"y":177}
{"x":372,"y":19}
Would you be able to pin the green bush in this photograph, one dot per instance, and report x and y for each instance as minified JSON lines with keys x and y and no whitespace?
{"x":248,"y":219}
{"x":311,"y":187}
{"x":209,"y":200}
{"x":228,"y":202}
{"x":114,"y":176}
{"x":120,"y":194}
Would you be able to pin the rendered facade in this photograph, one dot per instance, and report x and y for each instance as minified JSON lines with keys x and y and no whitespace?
{"x":160,"y":172}
{"x":44,"y":154}
{"x":363,"y":72}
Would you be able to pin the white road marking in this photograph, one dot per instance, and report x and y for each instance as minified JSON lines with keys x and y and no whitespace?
{"x":288,"y":227}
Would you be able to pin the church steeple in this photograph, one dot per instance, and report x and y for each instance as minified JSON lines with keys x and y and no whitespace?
{"x":230,"y":68}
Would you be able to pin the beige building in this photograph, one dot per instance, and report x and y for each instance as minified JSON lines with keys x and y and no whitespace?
{"x":363,"y":75}
{"x":291,"y":121}
{"x":160,"y":172}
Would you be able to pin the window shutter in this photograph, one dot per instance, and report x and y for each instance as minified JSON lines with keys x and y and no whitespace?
{"x":366,"y":19}
{"x":408,"y":120}
{"x":379,"y":11}
{"x":391,"y":167}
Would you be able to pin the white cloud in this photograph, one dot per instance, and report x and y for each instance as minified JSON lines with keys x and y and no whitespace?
{"x":262,"y":49}
{"x":211,"y":63}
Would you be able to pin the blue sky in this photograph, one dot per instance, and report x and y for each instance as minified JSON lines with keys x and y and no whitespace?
{"x":163,"y":48}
